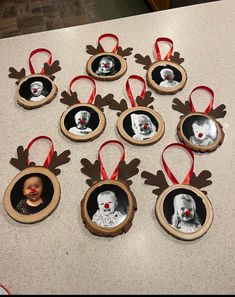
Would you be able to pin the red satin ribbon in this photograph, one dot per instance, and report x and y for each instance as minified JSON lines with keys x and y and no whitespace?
{"x":114,"y":50}
{"x":128,"y":88}
{"x":210,"y":91}
{"x":5,"y":289}
{"x":115,"y":172}
{"x":168,"y":171}
{"x":170,"y":42}
{"x":34,"y":52}
{"x":49,"y":156}
{"x":92,"y":96}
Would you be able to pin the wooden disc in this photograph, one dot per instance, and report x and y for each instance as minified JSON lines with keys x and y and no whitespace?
{"x":50,"y":194}
{"x":95,"y":126}
{"x":156,"y":73}
{"x":117,"y":222}
{"x":200,"y":132}
{"x":118,"y":69}
{"x":127,"y":125}
{"x":166,"y":212}
{"x":25,"y":97}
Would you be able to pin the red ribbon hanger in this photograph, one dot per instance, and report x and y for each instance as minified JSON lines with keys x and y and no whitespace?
{"x":115,"y":172}
{"x":49,"y":156}
{"x":164,"y":39}
{"x":208,"y":90}
{"x":167,"y":169}
{"x":114,"y":50}
{"x":128,"y":88}
{"x":92,"y":96}
{"x":34,"y":52}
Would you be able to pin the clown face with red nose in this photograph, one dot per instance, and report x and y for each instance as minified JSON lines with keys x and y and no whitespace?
{"x":168,"y":78}
{"x":81,"y":119}
{"x":106,"y":66}
{"x":36,"y":89}
{"x":142,"y":126}
{"x":204,"y":132}
{"x":185,"y":217}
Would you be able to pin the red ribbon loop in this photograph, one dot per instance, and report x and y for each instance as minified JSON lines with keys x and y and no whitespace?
{"x":49,"y":156}
{"x":170,"y":42}
{"x":210,"y":91}
{"x":168,"y":171}
{"x":92,"y":96}
{"x":115,"y":172}
{"x":114,"y":50}
{"x":34,"y":52}
{"x":128,"y":88}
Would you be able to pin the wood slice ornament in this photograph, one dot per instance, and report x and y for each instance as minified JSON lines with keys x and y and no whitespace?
{"x":35,"y":192}
{"x":182,"y":209}
{"x":141,"y":124}
{"x":199,"y":130}
{"x":166,"y":76}
{"x":108,"y":206}
{"x":83,"y":121}
{"x":36,"y":89}
{"x":107,"y":66}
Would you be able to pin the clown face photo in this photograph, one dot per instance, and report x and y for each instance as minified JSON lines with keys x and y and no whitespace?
{"x":106,"y":66}
{"x":142,"y":126}
{"x":81,"y":118}
{"x":36,"y":91}
{"x":185,"y":216}
{"x":166,"y":76}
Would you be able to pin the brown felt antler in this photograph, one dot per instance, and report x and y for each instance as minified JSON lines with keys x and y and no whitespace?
{"x":21,"y":162}
{"x":101,"y":102}
{"x":91,"y":50}
{"x":183,"y":108}
{"x":17,"y":74}
{"x":176,"y":58}
{"x":124,"y":52}
{"x":91,"y":170}
{"x":146,"y":61}
{"x":51,"y":69}
{"x":201,"y":181}
{"x":126,"y":171}
{"x":58,"y":161}
{"x":218,"y":112}
{"x":146,"y":100}
{"x":69,"y":99}
{"x":157,"y":179}
{"x":113,"y":104}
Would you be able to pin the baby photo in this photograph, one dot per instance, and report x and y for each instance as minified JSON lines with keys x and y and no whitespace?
{"x":81,"y":119}
{"x":35,"y":88}
{"x":106,"y":65}
{"x":166,"y":76}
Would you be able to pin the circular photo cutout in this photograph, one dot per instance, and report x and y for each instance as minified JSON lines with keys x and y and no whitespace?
{"x":141,"y":126}
{"x":200,"y":132}
{"x":184,"y":211}
{"x":32,"y":195}
{"x":35,"y":91}
{"x":166,"y":77}
{"x":82,"y":122}
{"x":106,"y":66}
{"x":108,"y":208}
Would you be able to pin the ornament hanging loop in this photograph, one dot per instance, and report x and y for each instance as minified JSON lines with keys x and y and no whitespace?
{"x":114,"y":50}
{"x":128,"y":88}
{"x":93,"y":94}
{"x":34,"y":52}
{"x":208,"y":90}
{"x":157,"y":49}
{"x":169,"y":172}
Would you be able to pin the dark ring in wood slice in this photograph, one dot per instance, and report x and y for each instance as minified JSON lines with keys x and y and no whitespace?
{"x":171,"y":230}
{"x":39,"y":216}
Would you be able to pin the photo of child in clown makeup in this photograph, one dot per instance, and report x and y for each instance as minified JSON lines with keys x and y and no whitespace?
{"x":168,"y":78}
{"x":204,"y":132}
{"x":107,"y":216}
{"x":33,"y":201}
{"x":142,"y":126}
{"x":81,"y":118}
{"x":36,"y":89}
{"x":106,"y":66}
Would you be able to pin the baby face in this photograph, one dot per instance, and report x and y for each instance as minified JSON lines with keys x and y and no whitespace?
{"x":167,"y":74}
{"x":82,"y":117}
{"x":33,"y":188}
{"x":106,"y":64}
{"x":185,"y":210}
{"x":144,"y":125}
{"x":107,"y":203}
{"x":201,"y":131}
{"x":36,"y":88}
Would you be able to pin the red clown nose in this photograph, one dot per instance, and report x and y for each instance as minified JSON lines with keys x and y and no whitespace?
{"x":106,"y":205}
{"x":200,"y":135}
{"x":82,"y":121}
{"x":32,"y":190}
{"x":187,"y":213}
{"x":145,"y":126}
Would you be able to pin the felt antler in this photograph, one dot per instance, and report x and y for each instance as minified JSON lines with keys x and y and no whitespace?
{"x":91,"y":170}
{"x":91,"y":50}
{"x":146,"y":61}
{"x":176,"y":58}
{"x":51,"y":69}
{"x":101,"y":102}
{"x":158,"y":180}
{"x":218,"y":112}
{"x":201,"y":181}
{"x":69,"y":99}
{"x":21,"y":162}
{"x":58,"y":161}
{"x":16,"y":74}
{"x":125,"y":52}
{"x":128,"y":170}
{"x":146,"y":100}
{"x":113,"y":104}
{"x":184,"y":108}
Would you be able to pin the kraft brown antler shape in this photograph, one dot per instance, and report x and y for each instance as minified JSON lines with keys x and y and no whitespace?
{"x":157,"y":179}
{"x":201,"y":181}
{"x":51,"y":69}
{"x":58,"y":160}
{"x":100,"y":101}
{"x":126,"y":171}
{"x":124,"y":52}
{"x":21,"y":162}
{"x":218,"y":112}
{"x":91,"y":50}
{"x":69,"y":99}
{"x":146,"y":61}
{"x":16,"y":74}
{"x":176,"y":58}
{"x":121,"y":106}
{"x":148,"y":99}
{"x":181,"y":107}
{"x":91,"y":170}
